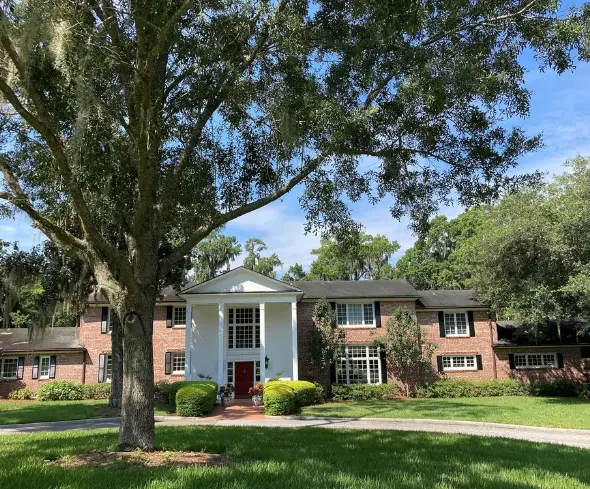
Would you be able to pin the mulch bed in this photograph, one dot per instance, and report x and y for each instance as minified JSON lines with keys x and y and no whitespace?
{"x":145,"y":459}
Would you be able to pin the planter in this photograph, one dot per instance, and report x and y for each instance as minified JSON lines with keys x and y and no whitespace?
{"x":227,"y":400}
{"x":257,"y":400}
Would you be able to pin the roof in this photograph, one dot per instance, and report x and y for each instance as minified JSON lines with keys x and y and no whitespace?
{"x":350,"y":289}
{"x":437,"y":299}
{"x":17,"y":340}
{"x":167,"y":294}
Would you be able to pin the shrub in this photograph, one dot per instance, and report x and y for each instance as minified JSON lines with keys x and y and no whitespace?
{"x":305,"y":392}
{"x":466,"y":388}
{"x":584,"y":391}
{"x":21,"y":394}
{"x":364,"y":392}
{"x":196,"y":398}
{"x":60,"y":390}
{"x":320,"y":393}
{"x":162,"y":391}
{"x":174,"y":387}
{"x":96,"y":391}
{"x":279,"y":399}
{"x":557,"y":388}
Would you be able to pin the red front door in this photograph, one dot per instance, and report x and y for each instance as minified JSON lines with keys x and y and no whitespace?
{"x":244,"y":377}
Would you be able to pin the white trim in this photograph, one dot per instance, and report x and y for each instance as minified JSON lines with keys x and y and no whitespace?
{"x":242,"y":298}
{"x":554,"y":364}
{"x":455,"y":313}
{"x":262,"y":343}
{"x":294,"y":340}
{"x":177,"y":372}
{"x":188,"y":341}
{"x":362,"y":304}
{"x":220,"y":342}
{"x":179,"y":325}
{"x":456,"y":369}
{"x":43,"y":377}
{"x":366,"y":357}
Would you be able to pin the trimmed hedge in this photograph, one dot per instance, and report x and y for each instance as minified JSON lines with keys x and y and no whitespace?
{"x":60,"y":390}
{"x":176,"y":386}
{"x":305,"y":392}
{"x":451,"y":388}
{"x":279,"y":399}
{"x":96,"y":391}
{"x":196,"y":398}
{"x":560,"y":388}
{"x":365,"y":392}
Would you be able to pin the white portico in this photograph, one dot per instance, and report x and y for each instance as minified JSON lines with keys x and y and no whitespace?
{"x":241,"y":329}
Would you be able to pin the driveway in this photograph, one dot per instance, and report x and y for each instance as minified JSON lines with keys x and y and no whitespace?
{"x":574,"y":438}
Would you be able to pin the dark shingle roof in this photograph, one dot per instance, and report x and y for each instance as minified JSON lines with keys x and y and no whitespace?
{"x":350,"y":289}
{"x":17,"y":340}
{"x":433,"y":299}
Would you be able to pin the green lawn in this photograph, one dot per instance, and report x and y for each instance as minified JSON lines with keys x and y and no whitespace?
{"x":534,"y":411}
{"x":12,"y":412}
{"x":267,"y":458}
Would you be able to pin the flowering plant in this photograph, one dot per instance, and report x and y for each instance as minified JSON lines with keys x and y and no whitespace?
{"x":226,"y":390}
{"x":256,"y":390}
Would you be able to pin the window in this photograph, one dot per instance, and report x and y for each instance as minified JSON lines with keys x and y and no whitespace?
{"x":355,"y":314}
{"x":361,"y":364}
{"x":8,"y":368}
{"x":462,"y":362}
{"x":179,"y":316}
{"x":108,"y":368}
{"x":44,"y":368}
{"x":535,"y":360}
{"x":243,"y":328}
{"x":178,"y":363}
{"x":230,"y":372}
{"x":257,"y":371}
{"x":456,"y":324}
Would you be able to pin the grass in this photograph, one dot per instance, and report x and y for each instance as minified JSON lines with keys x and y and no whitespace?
{"x":533,"y":411}
{"x":267,"y":458}
{"x":12,"y":412}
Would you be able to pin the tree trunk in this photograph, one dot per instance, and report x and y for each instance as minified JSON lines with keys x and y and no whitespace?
{"x":117,"y":358}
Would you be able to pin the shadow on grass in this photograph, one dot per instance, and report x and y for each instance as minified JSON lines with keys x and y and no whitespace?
{"x":35,"y":412}
{"x":302,"y":458}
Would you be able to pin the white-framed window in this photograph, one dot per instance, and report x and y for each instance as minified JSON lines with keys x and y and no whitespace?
{"x":257,"y":371}
{"x":459,"y":362}
{"x":352,"y":314}
{"x":361,"y":364}
{"x":44,"y":365}
{"x":8,"y":368}
{"x":108,"y":368}
{"x":230,"y":372}
{"x":243,"y":328}
{"x":456,"y":324}
{"x":178,"y":360}
{"x":535,"y":360}
{"x":179,"y":316}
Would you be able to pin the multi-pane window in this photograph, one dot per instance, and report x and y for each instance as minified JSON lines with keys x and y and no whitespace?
{"x":257,"y":371}
{"x":44,"y":368}
{"x":108,"y":368}
{"x":456,"y":324}
{"x":243,"y":328}
{"x":361,"y":364}
{"x":178,"y":360}
{"x":230,"y":372}
{"x":180,"y":316}
{"x":459,"y":362}
{"x":8,"y":368}
{"x":535,"y":360}
{"x":355,"y":314}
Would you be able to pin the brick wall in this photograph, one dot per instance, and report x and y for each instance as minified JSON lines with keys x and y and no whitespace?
{"x":165,"y":339}
{"x":68,"y":366}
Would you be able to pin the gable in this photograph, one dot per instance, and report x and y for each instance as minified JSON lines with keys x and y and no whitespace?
{"x":240,"y":280}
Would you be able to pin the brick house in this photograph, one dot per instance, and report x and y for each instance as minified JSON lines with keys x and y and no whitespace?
{"x":246,"y":328}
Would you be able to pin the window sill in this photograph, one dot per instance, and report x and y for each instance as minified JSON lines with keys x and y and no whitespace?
{"x":539,"y":367}
{"x":359,"y":326}
{"x":178,"y":326}
{"x":8,"y":378}
{"x":458,"y":336}
{"x":177,"y":374}
{"x":466,"y":369}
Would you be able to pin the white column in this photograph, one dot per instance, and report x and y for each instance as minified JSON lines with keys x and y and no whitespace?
{"x":188,"y":341}
{"x":262,"y":343}
{"x":294,"y":339}
{"x":220,"y":342}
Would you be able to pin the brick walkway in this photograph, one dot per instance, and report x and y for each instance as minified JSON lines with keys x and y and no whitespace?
{"x":241,"y":409}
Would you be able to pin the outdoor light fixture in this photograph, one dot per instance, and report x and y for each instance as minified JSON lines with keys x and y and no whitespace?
{"x":265,"y":362}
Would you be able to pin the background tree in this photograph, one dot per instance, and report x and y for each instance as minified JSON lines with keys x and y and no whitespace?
{"x":132,"y":131}
{"x":294,"y":273}
{"x":261,"y":264}
{"x":213,"y":254}
{"x":407,"y":354}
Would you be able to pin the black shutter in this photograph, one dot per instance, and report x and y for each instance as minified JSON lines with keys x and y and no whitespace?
{"x":333,"y":373}
{"x":35,"y":374}
{"x":439,"y":364}
{"x":511,"y":361}
{"x":479,"y":362}
{"x":383,"y":366}
{"x":441,"y":323}
{"x":585,"y":352}
{"x":333,"y":306}
{"x":560,"y":360}
{"x":471,"y":323}
{"x":52,"y":363}
{"x":20,"y":368}
{"x":169,"y":322}
{"x":377,"y":314}
{"x":168,"y":363}
{"x":101,"y":361}
{"x":104,"y":320}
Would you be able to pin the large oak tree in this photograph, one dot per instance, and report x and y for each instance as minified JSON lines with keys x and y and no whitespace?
{"x":131,"y":130}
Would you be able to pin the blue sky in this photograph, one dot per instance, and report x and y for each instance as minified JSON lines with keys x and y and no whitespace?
{"x":560,"y":110}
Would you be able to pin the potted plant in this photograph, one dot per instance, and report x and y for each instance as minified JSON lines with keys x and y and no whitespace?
{"x":256,"y":393}
{"x":226,"y":394}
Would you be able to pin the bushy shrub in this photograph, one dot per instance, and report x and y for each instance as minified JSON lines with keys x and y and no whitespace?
{"x":162,"y":391}
{"x":556,"y":388}
{"x":364,"y":392}
{"x":279,"y":399}
{"x":60,"y":390}
{"x":584,"y":391}
{"x":21,"y":394}
{"x":320,"y":393}
{"x":305,"y":392}
{"x":96,"y":391}
{"x":196,"y":398}
{"x":451,"y":388}
{"x":174,"y":387}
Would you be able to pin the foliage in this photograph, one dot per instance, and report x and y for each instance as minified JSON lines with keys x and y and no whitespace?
{"x":256,"y":390}
{"x":174,"y":387}
{"x":279,"y":399}
{"x":60,"y":390}
{"x":255,"y":261}
{"x":196,"y":398}
{"x":227,"y":390}
{"x":320,"y":393}
{"x":365,"y":392}
{"x":294,"y":273}
{"x":305,"y":392}
{"x":559,"y":388}
{"x":161,"y":392}
{"x":214,"y":253}
{"x":407,"y":354}
{"x":326,"y":341}
{"x":21,"y":394}
{"x":100,"y":390}
{"x":467,"y":388}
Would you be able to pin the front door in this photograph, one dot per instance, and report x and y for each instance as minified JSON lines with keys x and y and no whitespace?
{"x":244,"y":377}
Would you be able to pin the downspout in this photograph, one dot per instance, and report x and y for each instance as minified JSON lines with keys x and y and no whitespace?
{"x":84,"y":367}
{"x":494,"y":367}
